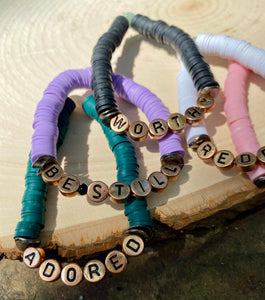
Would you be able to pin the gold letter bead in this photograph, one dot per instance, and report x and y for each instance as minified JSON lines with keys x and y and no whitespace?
{"x":140,"y":187}
{"x":97,"y":191}
{"x":133,"y":245}
{"x":52,"y":174}
{"x":261,"y":155}
{"x":119,"y":191}
{"x":50,"y":270}
{"x":206,"y":151}
{"x":138,"y":131}
{"x":33,"y":257}
{"x":194,"y":115}
{"x":171,"y":170}
{"x":116,"y":261}
{"x":72,"y":274}
{"x":158,"y":181}
{"x":206,"y":103}
{"x":94,"y":270}
{"x":119,"y":124}
{"x":246,"y":161}
{"x":176,"y":122}
{"x":69,"y":185}
{"x":158,"y":128}
{"x":224,"y":160}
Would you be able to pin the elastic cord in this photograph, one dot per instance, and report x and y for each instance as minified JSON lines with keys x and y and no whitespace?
{"x":35,"y":195}
{"x":48,"y":109}
{"x":235,"y":107}
{"x":127,"y":167}
{"x":182,"y":42}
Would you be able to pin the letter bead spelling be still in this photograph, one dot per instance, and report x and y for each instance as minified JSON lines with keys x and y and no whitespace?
{"x":97,"y":191}
{"x":138,"y":131}
{"x":176,"y":122}
{"x":69,"y":185}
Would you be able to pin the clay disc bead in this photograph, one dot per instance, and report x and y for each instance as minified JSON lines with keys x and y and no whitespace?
{"x":119,"y":124}
{"x":97,"y":191}
{"x":50,"y":270}
{"x":133,"y":245}
{"x":116,"y":261}
{"x":94,"y":271}
{"x":52,"y":174}
{"x":72,"y":274}
{"x":33,"y":257}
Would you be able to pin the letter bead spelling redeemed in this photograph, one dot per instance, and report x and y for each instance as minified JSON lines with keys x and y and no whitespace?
{"x":261,"y":155}
{"x":119,"y":124}
{"x":206,"y":151}
{"x":52,"y":174}
{"x":72,"y":274}
{"x":97,"y":191}
{"x":94,"y":270}
{"x":246,"y":161}
{"x":116,"y":261}
{"x":133,"y":245}
{"x":50,"y":270}
{"x":33,"y":257}
{"x":224,"y":160}
{"x":138,"y":131}
{"x":69,"y":185}
{"x":158,"y":128}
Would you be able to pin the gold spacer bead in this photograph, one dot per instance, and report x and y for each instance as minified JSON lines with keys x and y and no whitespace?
{"x":116,"y":261}
{"x":69,"y":185}
{"x":246,"y":161}
{"x":140,"y":187}
{"x":72,"y":274}
{"x":176,"y":122}
{"x":194,"y":115}
{"x":224,"y":160}
{"x":119,"y":124}
{"x":261,"y":155}
{"x":52,"y":174}
{"x":119,"y":191}
{"x":94,"y":271}
{"x":138,"y":131}
{"x":158,"y":181}
{"x":206,"y":151}
{"x":33,"y":257}
{"x":133,"y":245}
{"x":50,"y":270}
{"x":158,"y":128}
{"x":97,"y":191}
{"x":206,"y":103}
{"x":171,"y":170}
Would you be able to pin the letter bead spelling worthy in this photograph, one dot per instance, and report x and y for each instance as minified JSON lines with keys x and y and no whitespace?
{"x":119,"y":191}
{"x":194,"y":115}
{"x":158,"y":128}
{"x":158,"y":181}
{"x":176,"y":122}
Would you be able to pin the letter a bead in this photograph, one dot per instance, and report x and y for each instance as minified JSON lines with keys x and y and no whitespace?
{"x":133,"y":245}
{"x":33,"y":257}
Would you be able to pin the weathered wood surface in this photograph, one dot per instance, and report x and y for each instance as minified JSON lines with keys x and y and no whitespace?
{"x":40,"y":39}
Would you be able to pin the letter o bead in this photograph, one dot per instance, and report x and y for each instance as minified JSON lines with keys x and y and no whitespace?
{"x":140,"y":187}
{"x":158,"y":181}
{"x":176,"y":122}
{"x":72,"y":274}
{"x":246,"y":161}
{"x":94,"y":271}
{"x":133,"y":245}
{"x":50,"y":270}
{"x":33,"y":257}
{"x":97,"y":191}
{"x":116,"y":261}
{"x":138,"y":131}
{"x":52,"y":174}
